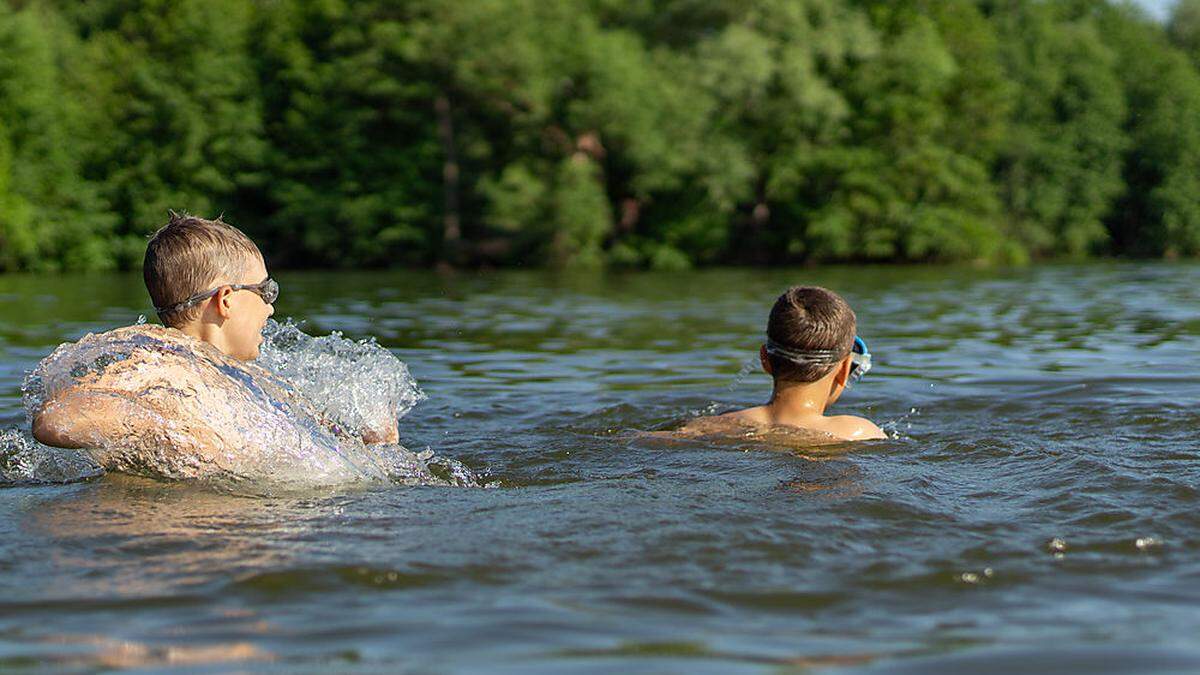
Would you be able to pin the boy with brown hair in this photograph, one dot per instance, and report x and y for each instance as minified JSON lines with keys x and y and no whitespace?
{"x":194,"y":269}
{"x":183,"y":397}
{"x":813,"y":354}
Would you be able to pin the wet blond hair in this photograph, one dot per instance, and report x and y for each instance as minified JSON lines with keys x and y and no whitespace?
{"x":189,"y":254}
{"x":810,"y":319}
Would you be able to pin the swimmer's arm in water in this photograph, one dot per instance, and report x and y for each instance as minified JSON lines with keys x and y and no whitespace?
{"x":85,"y":418}
{"x":382,"y":433}
{"x":116,"y":428}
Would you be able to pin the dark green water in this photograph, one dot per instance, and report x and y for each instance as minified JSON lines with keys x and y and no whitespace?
{"x":1053,"y":402}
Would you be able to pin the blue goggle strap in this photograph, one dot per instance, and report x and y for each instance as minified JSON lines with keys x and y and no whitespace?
{"x":860,"y":359}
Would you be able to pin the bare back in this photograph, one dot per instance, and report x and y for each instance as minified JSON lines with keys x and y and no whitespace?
{"x":762,"y":420}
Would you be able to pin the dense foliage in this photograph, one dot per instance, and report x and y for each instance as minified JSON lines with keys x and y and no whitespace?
{"x":658,"y":133}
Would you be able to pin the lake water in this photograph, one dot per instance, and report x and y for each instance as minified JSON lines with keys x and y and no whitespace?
{"x":1036,"y":510}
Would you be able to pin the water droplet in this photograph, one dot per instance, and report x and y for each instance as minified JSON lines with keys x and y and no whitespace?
{"x":1146,"y":543}
{"x":969,"y":578}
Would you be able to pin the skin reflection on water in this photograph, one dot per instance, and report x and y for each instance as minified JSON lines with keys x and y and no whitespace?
{"x":826,"y":477}
{"x":125,"y":542}
{"x":109,"y":653}
{"x":167,"y":534}
{"x":825,"y":471}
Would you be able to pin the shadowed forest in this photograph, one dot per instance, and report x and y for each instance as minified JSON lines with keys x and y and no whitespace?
{"x":642,"y":133}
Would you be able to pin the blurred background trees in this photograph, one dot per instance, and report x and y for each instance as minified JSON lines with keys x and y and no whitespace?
{"x":655,"y":133}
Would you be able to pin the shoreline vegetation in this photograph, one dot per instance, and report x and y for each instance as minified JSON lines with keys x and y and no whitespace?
{"x":596,"y":133}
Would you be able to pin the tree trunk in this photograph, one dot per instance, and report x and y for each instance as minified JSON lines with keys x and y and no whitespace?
{"x":451,"y":219}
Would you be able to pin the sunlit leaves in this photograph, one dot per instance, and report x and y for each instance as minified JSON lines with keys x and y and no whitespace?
{"x":591,"y":132}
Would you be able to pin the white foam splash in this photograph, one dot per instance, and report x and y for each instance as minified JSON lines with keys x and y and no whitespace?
{"x":358,"y":384}
{"x":24,"y":461}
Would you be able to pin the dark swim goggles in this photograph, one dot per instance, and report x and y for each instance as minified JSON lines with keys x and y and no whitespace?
{"x":267,"y":289}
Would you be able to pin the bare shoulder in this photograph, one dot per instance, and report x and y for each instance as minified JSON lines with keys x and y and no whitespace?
{"x":851,"y":428}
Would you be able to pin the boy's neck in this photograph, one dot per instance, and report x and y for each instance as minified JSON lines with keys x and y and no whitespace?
{"x":799,"y":400}
{"x":206,"y":332}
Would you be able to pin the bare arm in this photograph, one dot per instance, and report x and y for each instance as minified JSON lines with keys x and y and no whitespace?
{"x":84,"y":418}
{"x":123,"y":433}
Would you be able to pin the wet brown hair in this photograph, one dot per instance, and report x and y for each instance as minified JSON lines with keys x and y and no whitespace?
{"x":807,"y":318}
{"x":186,"y":256}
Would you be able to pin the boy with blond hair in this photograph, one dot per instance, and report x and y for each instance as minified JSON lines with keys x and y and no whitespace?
{"x":812,"y":354}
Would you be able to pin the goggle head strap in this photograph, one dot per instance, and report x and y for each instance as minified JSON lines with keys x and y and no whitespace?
{"x":806,"y":357}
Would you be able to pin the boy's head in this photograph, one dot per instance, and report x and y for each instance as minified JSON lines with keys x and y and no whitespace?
{"x":192,"y":268}
{"x":812,"y":325}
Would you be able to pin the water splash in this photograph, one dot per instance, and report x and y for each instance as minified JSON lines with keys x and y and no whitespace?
{"x":24,"y":461}
{"x":162,"y":404}
{"x":357,"y":384}
{"x":894,"y":429}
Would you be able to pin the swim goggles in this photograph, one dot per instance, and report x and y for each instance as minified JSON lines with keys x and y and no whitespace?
{"x":860,"y":357}
{"x":860,"y":360}
{"x":267,"y":289}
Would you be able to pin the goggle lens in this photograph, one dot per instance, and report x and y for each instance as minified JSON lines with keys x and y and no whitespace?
{"x":270,"y":291}
{"x":860,"y":359}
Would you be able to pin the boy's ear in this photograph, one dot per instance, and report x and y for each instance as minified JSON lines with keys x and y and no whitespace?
{"x":766,"y":361}
{"x":224,"y":310}
{"x":842,"y":375}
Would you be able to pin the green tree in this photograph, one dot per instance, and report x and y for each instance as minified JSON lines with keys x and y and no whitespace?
{"x":349,"y":115}
{"x":18,"y":245}
{"x":774,"y":71}
{"x":907,"y":183}
{"x":1159,"y":212}
{"x":1183,"y":28}
{"x":547,"y":103}
{"x":1060,"y":170}
{"x":54,"y":219}
{"x":593,"y":132}
{"x":181,"y":123}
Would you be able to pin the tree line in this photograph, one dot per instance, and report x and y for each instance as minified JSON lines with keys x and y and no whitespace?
{"x":645,"y":133}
